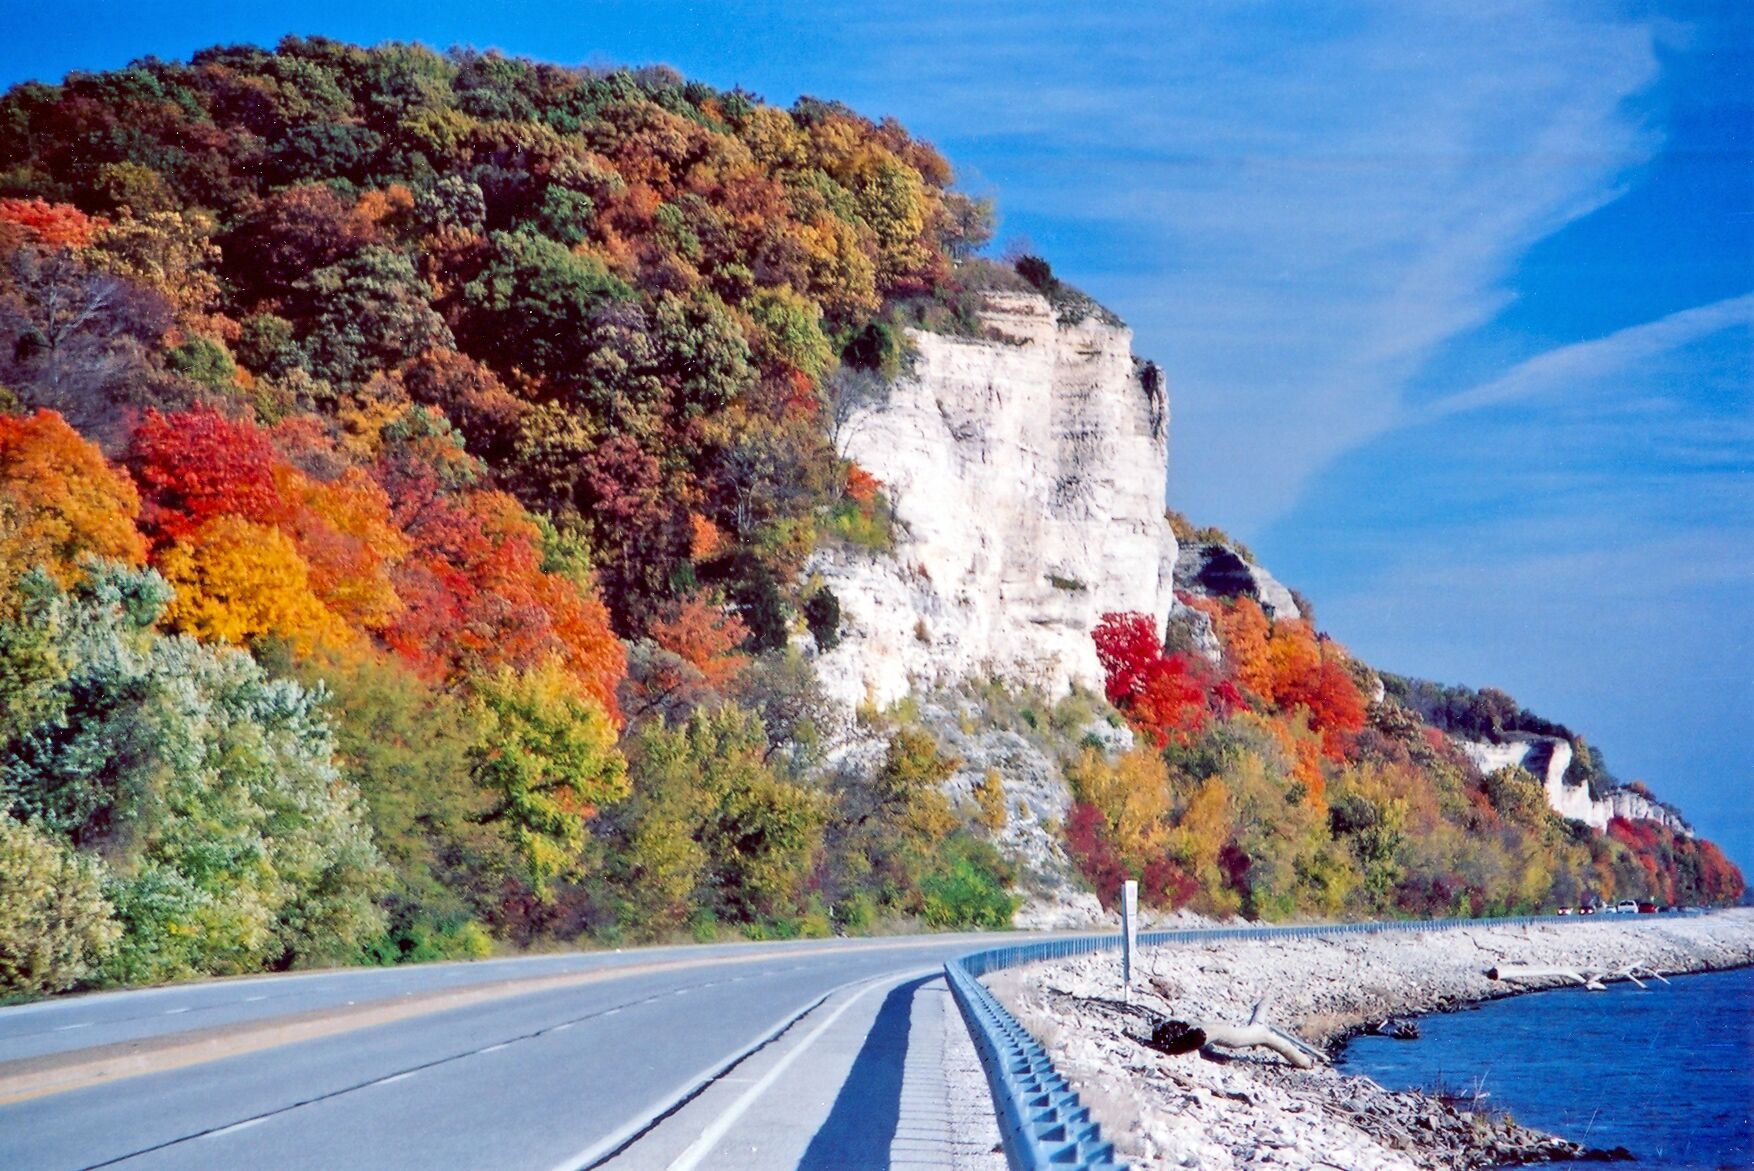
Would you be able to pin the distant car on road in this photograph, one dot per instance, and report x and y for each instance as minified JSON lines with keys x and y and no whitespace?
{"x":1626,"y":907}
{"x":1566,"y":911}
{"x":1647,"y":908}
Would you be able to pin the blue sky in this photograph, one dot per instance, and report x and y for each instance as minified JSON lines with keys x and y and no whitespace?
{"x":1455,"y":299}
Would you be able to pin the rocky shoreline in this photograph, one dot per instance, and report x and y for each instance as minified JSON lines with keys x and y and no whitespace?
{"x":1250,"y":1108}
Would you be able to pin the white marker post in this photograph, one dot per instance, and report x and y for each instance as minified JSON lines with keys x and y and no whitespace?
{"x":1129,"y":933}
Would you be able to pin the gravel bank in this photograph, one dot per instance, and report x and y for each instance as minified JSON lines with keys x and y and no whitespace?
{"x":1255,"y":1110}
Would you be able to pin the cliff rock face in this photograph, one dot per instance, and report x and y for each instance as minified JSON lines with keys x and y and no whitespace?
{"x":1218,"y":571}
{"x":1027,"y":471}
{"x":1548,"y":758}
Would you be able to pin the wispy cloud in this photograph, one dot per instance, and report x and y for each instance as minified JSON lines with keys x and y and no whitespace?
{"x":1575,"y":367}
{"x":1295,"y":205}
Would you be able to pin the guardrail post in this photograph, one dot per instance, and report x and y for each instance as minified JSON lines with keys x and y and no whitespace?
{"x":1129,"y":935}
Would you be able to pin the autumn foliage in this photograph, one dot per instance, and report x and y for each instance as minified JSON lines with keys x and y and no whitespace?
{"x":197,"y":465}
{"x":424,"y":408}
{"x":1286,"y":665}
{"x":1166,"y":697}
{"x":1276,"y":789}
{"x":47,"y":225}
{"x":60,"y":501}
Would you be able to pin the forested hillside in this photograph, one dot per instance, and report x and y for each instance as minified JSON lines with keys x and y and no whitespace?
{"x":1282,"y":779}
{"x":408,"y":464}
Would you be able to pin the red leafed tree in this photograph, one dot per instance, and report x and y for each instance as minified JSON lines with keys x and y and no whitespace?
{"x":1127,"y":645}
{"x":1171,"y":703}
{"x":47,"y":225}
{"x":1167,"y":698}
{"x":197,"y":464}
{"x":1087,"y":840}
{"x":1720,"y":881}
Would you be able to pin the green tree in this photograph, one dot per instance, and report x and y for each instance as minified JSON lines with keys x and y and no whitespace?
{"x":966,"y":887}
{"x":701,"y":352}
{"x":56,"y":927}
{"x":888,"y":824}
{"x":531,"y":305}
{"x":1521,"y":799}
{"x":366,"y":313}
{"x":405,"y":744}
{"x":546,"y":755}
{"x":710,"y":826}
{"x":209,"y":789}
{"x":791,"y":331}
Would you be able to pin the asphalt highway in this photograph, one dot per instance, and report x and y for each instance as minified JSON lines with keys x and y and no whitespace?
{"x":765,"y":1055}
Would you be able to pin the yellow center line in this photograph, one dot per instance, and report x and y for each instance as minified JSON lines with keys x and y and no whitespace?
{"x":35,"y":1077}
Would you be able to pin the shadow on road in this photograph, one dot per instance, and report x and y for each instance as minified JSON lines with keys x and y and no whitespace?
{"x":859,"y":1130}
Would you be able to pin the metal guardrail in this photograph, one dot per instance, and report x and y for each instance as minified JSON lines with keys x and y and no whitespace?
{"x":1041,"y":1122}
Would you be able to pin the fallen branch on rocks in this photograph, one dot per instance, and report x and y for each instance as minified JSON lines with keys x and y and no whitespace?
{"x":1630,"y":972}
{"x":1175,"y":1037}
{"x":1591,"y":980}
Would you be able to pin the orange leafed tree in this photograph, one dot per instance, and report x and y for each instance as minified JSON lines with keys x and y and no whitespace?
{"x":344,"y":532}
{"x":240,"y":582}
{"x":707,"y":636}
{"x":705,"y":539}
{"x":1244,"y":631}
{"x":587,"y":646}
{"x":475,"y":595}
{"x":862,"y":486}
{"x":1286,"y":665}
{"x":60,"y":501}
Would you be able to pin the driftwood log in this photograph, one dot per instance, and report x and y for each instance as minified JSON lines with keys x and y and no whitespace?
{"x":1588,"y":978}
{"x":1175,"y":1037}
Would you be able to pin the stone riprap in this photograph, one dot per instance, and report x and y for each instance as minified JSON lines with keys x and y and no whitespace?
{"x":1255,"y":1110}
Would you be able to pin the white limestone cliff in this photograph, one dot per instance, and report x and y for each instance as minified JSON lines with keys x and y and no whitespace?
{"x":1549,"y":758}
{"x":1027,"y":471}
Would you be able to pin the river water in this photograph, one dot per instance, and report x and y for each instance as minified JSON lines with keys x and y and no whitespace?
{"x":1667,"y":1073}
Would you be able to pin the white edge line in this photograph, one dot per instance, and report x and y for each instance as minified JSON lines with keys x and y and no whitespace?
{"x":642,"y":1118}
{"x":236,"y":1126}
{"x":720,"y":1126}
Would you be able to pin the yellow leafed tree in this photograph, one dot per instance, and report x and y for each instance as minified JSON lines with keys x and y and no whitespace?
{"x":238,"y":582}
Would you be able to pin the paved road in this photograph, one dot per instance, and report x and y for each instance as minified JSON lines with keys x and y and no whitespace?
{"x":722,"y":1056}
